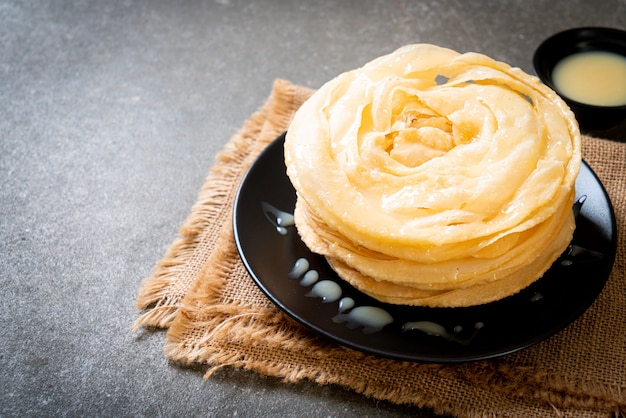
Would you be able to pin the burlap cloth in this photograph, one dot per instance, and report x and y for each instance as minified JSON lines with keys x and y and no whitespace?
{"x":216,"y":316}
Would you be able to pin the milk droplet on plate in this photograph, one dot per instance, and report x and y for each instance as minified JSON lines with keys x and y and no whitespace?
{"x":345,"y":304}
{"x":438,"y":330}
{"x":278,"y":218}
{"x":328,"y":290}
{"x":370,"y":318}
{"x":309,"y":278}
{"x":430,"y":328}
{"x":299,"y":268}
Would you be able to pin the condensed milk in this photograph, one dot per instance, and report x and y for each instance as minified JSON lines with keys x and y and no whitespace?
{"x":593,"y":77}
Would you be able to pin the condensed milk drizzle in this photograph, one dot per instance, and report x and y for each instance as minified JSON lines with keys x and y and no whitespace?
{"x":578,"y":254}
{"x":281,"y":220}
{"x":592,"y":77}
{"x":299,"y":268}
{"x":369,"y":319}
{"x":578,"y":205}
{"x":327,"y":290}
{"x":437,"y":330}
{"x":372,"y":319}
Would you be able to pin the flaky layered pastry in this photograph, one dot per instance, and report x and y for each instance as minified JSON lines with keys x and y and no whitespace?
{"x":433,"y":178}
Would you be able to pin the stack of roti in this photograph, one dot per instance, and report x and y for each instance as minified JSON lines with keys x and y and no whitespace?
{"x":433,"y":178}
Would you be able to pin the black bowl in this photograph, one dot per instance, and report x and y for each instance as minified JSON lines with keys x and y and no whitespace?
{"x":563,"y":44}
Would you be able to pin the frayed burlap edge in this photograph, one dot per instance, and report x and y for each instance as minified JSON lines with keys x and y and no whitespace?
{"x":161,"y":293}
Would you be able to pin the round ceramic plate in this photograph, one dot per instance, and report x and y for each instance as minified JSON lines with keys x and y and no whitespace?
{"x":306,"y":288}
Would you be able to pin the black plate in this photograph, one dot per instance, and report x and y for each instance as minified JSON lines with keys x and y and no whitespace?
{"x":454,"y":334}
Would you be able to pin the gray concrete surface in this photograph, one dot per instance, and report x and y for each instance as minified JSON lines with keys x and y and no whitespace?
{"x":110,"y":115}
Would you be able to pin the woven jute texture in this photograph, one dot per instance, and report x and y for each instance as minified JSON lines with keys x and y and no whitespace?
{"x":215,"y":315}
